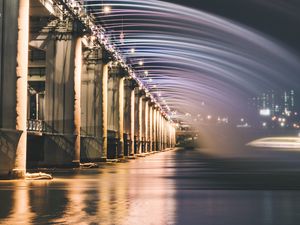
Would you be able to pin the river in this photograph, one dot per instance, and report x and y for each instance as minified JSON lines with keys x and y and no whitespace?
{"x":183,"y":187}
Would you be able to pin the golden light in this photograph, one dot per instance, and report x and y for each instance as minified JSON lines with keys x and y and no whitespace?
{"x":106,"y":9}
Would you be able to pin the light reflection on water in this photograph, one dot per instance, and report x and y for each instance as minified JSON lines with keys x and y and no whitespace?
{"x":131,"y":193}
{"x":184,"y":187}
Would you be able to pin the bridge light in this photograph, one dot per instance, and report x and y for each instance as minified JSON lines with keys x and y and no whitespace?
{"x":106,"y":9}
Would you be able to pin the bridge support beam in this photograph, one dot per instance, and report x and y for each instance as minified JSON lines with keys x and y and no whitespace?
{"x":91,"y":106}
{"x":104,"y":105}
{"x":77,"y":99}
{"x":121,"y":117}
{"x":154,"y":125}
{"x":14,"y":29}
{"x":157,"y":131}
{"x":132,"y":121}
{"x":19,"y":166}
{"x":62,"y":117}
{"x":146,"y":122}
{"x":150,"y":127}
{"x":140,"y":124}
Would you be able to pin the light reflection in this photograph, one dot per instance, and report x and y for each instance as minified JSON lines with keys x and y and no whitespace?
{"x":120,"y":194}
{"x":21,"y":212}
{"x":156,"y":196}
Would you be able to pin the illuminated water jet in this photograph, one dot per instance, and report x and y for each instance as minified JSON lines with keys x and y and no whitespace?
{"x":195,"y":56}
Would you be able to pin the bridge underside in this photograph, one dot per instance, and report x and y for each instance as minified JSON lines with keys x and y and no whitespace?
{"x":67,"y":102}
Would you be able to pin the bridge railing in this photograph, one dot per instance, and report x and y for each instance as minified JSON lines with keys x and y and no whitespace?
{"x":36,"y":125}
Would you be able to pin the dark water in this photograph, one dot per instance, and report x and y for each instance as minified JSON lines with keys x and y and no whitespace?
{"x":176,"y":187}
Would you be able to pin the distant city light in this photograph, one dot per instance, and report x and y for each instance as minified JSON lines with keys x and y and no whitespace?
{"x":132,"y":51}
{"x":265,"y":112}
{"x":141,"y":63}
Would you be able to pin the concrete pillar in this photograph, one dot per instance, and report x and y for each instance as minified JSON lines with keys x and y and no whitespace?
{"x":161,"y":131}
{"x":121,"y":118}
{"x":150,"y":128}
{"x":62,"y":96}
{"x":104,"y":82}
{"x":158,"y":131}
{"x":154,"y":125}
{"x":77,"y":99}
{"x":146,"y":139}
{"x":19,"y":167}
{"x":132,"y":121}
{"x":165,"y":133}
{"x":91,"y":106}
{"x":170,"y":135}
{"x":174,"y":136}
{"x":140,"y":124}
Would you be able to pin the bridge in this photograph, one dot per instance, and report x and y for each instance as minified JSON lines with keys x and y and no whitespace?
{"x":68,"y":95}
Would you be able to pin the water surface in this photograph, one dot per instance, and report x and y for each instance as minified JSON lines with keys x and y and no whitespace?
{"x":175,"y":187}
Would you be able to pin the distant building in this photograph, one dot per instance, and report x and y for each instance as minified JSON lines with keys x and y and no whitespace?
{"x":276,"y":109}
{"x":272,"y":104}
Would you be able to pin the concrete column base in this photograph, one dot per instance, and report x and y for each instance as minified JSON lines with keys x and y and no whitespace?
{"x":131,"y":157}
{"x":103,"y":160}
{"x":76,"y":163}
{"x":17,"y":174}
{"x":120,"y":149}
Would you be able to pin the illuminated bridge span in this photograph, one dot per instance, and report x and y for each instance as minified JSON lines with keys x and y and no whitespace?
{"x":74,"y":99}
{"x":91,"y":80}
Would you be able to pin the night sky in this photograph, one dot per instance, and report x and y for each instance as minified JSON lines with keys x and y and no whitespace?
{"x":280,"y":19}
